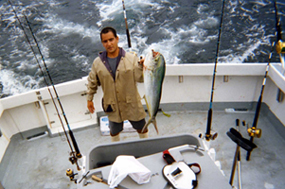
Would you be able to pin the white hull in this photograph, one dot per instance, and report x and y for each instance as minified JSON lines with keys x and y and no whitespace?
{"x":188,"y":83}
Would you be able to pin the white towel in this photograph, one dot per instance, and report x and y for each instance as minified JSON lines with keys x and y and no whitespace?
{"x":128,"y":165}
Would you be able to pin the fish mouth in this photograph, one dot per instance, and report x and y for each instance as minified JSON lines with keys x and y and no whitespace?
{"x":155,"y":54}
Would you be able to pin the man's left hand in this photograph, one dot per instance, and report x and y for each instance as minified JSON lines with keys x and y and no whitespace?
{"x":141,"y":61}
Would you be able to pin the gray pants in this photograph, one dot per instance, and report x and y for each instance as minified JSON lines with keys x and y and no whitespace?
{"x":116,"y":128}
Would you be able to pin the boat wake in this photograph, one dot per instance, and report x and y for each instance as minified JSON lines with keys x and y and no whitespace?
{"x":68,"y":35}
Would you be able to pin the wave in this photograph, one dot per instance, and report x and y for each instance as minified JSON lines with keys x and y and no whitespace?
{"x":58,"y":26}
{"x":13,"y":83}
{"x":183,"y":31}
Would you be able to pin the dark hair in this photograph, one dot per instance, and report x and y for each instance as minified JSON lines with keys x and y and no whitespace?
{"x":106,"y":30}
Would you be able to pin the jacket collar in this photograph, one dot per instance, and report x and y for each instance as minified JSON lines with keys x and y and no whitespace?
{"x":103,"y":54}
{"x":104,"y":59}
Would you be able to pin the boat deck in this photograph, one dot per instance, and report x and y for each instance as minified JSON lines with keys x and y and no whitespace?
{"x":41,"y":163}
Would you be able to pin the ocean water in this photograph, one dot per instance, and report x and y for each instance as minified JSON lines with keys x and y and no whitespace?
{"x":184,"y":31}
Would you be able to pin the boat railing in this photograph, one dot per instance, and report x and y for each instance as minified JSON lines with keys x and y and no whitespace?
{"x":237,"y":86}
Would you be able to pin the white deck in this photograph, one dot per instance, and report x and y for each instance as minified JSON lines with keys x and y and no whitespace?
{"x":42,"y":163}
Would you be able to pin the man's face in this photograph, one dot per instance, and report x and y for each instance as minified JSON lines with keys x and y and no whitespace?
{"x":110,"y":42}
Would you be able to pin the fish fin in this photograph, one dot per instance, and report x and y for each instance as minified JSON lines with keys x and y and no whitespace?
{"x":147,"y":106}
{"x":153,"y":121}
{"x":155,"y":125}
{"x":146,"y":125}
{"x":167,"y":115}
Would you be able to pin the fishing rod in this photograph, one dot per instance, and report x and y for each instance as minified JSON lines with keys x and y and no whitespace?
{"x":280,"y":49}
{"x":278,"y":25}
{"x":77,"y":154}
{"x":127,"y":29}
{"x":253,"y":131}
{"x":208,"y":134}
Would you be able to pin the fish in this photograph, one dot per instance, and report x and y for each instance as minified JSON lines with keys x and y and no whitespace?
{"x":153,"y":73}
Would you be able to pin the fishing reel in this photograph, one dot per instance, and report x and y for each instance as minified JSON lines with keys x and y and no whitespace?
{"x":280,"y":47}
{"x":253,"y":131}
{"x":71,"y":175}
{"x":212,"y":136}
{"x":72,"y":158}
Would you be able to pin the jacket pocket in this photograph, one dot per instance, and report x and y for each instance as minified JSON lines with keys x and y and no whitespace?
{"x":108,"y":106}
{"x":131,"y":102}
{"x":129,"y":99}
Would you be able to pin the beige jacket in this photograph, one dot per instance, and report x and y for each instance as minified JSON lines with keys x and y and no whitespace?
{"x":121,"y":100}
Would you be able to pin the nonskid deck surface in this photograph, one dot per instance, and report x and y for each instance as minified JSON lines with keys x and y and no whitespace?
{"x":42,"y":163}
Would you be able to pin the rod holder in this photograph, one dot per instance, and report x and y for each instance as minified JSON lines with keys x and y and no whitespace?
{"x":180,"y":79}
{"x":280,"y":95}
{"x":226,"y":78}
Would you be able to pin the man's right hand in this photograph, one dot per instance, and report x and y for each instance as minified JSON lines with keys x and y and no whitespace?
{"x":90,"y":106}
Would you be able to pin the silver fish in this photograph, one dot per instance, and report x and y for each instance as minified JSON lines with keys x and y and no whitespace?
{"x":154,"y":72}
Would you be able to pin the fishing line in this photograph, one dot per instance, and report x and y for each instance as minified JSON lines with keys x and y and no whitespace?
{"x":78,"y":154}
{"x":208,"y":134}
{"x":127,"y":29}
{"x":258,"y":106}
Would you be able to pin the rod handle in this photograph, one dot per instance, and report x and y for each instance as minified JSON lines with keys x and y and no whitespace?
{"x":94,"y":177}
{"x":129,"y":38}
{"x":209,"y":123}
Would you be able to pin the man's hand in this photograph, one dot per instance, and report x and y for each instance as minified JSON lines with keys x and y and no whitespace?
{"x":141,"y":61}
{"x":90,"y":106}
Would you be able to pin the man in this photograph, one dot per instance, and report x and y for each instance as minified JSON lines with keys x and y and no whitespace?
{"x":117,"y":72}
